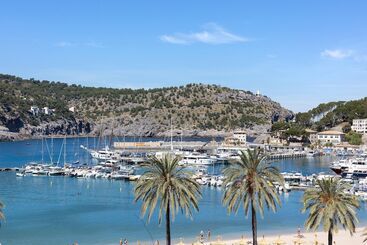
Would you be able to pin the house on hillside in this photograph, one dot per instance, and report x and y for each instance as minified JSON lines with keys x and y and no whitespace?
{"x":331,"y":136}
{"x":46,"y":110}
{"x":360,"y":126}
{"x":34,"y":110}
{"x":72,"y":109}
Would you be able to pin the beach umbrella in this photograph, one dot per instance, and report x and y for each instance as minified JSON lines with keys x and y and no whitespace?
{"x":279,"y":241}
{"x":263,"y":241}
{"x":181,"y":242}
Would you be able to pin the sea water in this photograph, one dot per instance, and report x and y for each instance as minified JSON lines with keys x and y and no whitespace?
{"x":62,"y":210}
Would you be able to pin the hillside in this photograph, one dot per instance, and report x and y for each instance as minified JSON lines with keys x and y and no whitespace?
{"x":332,"y":114}
{"x":197,"y":109}
{"x":329,"y":116}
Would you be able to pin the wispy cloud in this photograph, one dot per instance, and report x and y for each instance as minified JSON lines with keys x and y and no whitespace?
{"x":65,"y":44}
{"x":211,"y":34}
{"x":94,"y":44}
{"x":338,"y":54}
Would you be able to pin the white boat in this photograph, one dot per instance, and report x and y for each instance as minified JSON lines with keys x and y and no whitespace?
{"x":201,"y":181}
{"x":216,"y":181}
{"x":196,"y":159}
{"x":357,"y":168}
{"x":56,"y":171}
{"x":20,"y":174}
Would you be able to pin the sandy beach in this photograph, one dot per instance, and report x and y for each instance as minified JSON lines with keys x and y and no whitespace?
{"x":342,"y":237}
{"x":319,"y":238}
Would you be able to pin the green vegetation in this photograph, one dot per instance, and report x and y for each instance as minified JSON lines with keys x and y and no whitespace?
{"x":354,"y":138}
{"x":194,"y":106}
{"x":250,"y":182}
{"x":287,"y":130}
{"x":333,"y":113}
{"x":331,"y":206}
{"x":169,"y":186}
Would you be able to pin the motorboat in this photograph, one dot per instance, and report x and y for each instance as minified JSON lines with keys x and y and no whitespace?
{"x":196,"y":159}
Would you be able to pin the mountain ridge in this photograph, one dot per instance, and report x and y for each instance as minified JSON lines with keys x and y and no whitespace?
{"x":194,"y":109}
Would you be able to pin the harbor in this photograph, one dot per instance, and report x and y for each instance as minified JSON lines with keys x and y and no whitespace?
{"x":81,"y":205}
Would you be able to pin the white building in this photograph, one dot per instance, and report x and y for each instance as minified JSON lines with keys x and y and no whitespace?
{"x":46,"y":111}
{"x":360,"y":126}
{"x":34,"y":110}
{"x":240,"y":136}
{"x":334,"y":137}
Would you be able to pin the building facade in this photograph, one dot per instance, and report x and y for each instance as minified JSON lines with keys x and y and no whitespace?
{"x":241,"y":136}
{"x":333,"y":137}
{"x":360,"y":126}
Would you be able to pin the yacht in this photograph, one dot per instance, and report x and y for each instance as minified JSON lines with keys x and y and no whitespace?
{"x":340,"y":166}
{"x":356,"y":169}
{"x":55,"y":171}
{"x":196,"y":159}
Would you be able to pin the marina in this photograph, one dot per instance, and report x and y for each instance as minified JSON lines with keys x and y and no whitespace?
{"x":101,"y":210}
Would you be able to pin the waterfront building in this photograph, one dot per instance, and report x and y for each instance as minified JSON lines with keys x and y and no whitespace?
{"x":331,"y":136}
{"x":241,"y":136}
{"x":312,"y":135}
{"x":360,"y":126}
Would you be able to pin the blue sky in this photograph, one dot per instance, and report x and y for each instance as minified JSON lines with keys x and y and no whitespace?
{"x":299,"y":53}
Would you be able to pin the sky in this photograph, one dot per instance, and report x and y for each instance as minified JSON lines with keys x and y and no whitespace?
{"x":299,"y":53}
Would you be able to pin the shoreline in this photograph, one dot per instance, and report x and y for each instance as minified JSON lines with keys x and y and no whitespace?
{"x":309,"y":237}
{"x":28,"y":138}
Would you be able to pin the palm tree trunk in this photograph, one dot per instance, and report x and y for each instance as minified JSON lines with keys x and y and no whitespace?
{"x":330,"y":237}
{"x":254,"y":224}
{"x":168,"y":225}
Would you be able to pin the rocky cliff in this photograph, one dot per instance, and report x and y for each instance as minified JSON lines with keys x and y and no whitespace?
{"x":30,"y":108}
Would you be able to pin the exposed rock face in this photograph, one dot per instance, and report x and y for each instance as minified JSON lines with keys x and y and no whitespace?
{"x":12,"y":123}
{"x":59,"y":127}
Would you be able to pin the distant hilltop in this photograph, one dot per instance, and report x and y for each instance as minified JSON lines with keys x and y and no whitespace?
{"x":30,"y":108}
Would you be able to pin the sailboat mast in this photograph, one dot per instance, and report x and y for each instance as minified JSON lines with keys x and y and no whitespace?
{"x":64,"y":150}
{"x":171,"y":136}
{"x":52,"y":150}
{"x":42,"y":150}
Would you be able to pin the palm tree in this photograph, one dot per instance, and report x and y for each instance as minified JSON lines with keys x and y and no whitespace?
{"x":330,"y":204}
{"x":2,"y":217}
{"x":167,"y":184}
{"x":251,"y":182}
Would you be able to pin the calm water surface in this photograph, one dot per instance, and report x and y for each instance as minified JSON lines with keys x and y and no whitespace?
{"x":62,"y":210}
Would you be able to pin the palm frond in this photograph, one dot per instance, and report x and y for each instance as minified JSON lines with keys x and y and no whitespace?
{"x":330,"y":205}
{"x":251,"y":179}
{"x":164,"y":183}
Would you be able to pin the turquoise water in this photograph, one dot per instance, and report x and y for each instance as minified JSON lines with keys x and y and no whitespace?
{"x":62,"y":210}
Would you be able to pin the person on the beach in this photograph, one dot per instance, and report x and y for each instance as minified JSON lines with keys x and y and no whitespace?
{"x":208,"y":235}
{"x":121,"y":241}
{"x":156,"y":242}
{"x":299,"y":233}
{"x":125,"y":241}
